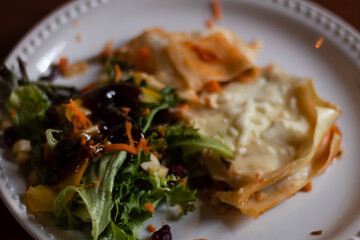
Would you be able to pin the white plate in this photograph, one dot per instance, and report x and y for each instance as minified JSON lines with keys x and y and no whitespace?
{"x":289,"y":31}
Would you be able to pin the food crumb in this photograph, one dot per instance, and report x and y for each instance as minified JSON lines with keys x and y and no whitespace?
{"x":217,"y":11}
{"x":149,"y":207}
{"x":318,"y":232}
{"x":78,"y":38}
{"x":307,"y":187}
{"x":74,"y":69}
{"x":151,"y":228}
{"x":75,"y":23}
{"x":209,"y":23}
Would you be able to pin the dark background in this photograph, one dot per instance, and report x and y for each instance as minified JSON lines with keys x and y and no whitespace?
{"x":17,"y":17}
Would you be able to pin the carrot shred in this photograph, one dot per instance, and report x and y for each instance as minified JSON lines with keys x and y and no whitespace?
{"x":118,"y":73}
{"x":151,"y":228}
{"x":149,"y":207}
{"x":96,"y":182}
{"x":126,"y":110}
{"x":143,"y":146}
{"x":182,"y":181}
{"x":120,"y":147}
{"x":213,"y":86}
{"x":78,"y":119}
{"x":83,"y":141}
{"x":144,"y":53}
{"x":147,"y":111}
{"x":13,"y":113}
{"x":307,"y":187}
{"x":185,"y":107}
{"x":217,"y":10}
{"x":128,"y":127}
{"x":63,"y":65}
{"x":89,"y":87}
{"x":162,"y":131}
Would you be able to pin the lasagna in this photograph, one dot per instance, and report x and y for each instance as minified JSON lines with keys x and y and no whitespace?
{"x":281,"y":133}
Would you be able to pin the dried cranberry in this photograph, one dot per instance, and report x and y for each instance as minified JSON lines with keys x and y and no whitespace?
{"x":178,"y":170}
{"x":162,"y":234}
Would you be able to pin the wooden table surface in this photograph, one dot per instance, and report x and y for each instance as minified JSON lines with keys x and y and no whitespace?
{"x":18,"y":16}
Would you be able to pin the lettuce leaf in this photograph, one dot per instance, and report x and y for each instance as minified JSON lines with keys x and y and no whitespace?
{"x":117,"y":202}
{"x":169,"y":100}
{"x":29,"y":104}
{"x":134,"y":188}
{"x":119,"y":234}
{"x":97,"y":198}
{"x":191,"y":141}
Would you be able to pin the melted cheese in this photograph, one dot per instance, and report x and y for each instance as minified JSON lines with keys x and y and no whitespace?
{"x":261,"y":123}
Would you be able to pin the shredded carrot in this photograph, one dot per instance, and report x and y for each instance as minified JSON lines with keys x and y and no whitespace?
{"x":217,"y":10}
{"x":182,"y":181}
{"x":200,"y":239}
{"x":107,"y":51}
{"x":46,"y":151}
{"x":144,"y":53}
{"x":143,"y":146}
{"x":128,"y":127}
{"x":162,"y":131}
{"x":83,"y":141}
{"x":126,"y":109}
{"x":96,"y":147}
{"x":13,"y":113}
{"x":96,"y":182}
{"x":89,"y":87}
{"x":63,"y":65}
{"x":151,"y":228}
{"x":185,"y":107}
{"x":149,"y":207}
{"x":118,"y":73}
{"x":147,"y":111}
{"x":78,"y":119}
{"x":120,"y":147}
{"x":213,"y":86}
{"x":307,"y":187}
{"x":209,"y":23}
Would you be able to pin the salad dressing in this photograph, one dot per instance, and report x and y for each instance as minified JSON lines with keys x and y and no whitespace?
{"x":110,"y":106}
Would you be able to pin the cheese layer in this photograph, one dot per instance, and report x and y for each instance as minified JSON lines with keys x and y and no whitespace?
{"x":260,"y":121}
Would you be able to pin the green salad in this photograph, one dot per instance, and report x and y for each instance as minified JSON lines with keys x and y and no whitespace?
{"x":104,"y":156}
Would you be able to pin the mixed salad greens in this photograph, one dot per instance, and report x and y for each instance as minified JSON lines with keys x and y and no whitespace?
{"x":105,"y":156}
